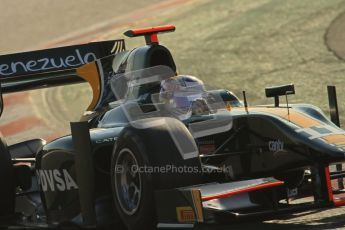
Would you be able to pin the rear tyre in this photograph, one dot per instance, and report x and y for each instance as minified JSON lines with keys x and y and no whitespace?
{"x":133,"y":189}
{"x":7,"y":183}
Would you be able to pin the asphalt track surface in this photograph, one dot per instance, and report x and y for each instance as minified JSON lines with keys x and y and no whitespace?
{"x":32,"y":22}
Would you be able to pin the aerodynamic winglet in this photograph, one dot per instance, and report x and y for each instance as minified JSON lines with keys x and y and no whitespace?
{"x":150,"y":33}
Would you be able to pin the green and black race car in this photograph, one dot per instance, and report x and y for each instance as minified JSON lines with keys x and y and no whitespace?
{"x":139,"y":158}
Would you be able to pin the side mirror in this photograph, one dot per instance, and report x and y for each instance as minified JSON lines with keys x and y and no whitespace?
{"x":276,"y":91}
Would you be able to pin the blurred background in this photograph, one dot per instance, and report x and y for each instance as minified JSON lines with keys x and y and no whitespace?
{"x":234,"y":44}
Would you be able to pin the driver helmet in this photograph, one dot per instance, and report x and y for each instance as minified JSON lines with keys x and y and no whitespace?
{"x":180,"y":91}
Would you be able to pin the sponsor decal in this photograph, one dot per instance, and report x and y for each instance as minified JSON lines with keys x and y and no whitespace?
{"x":206,"y":146}
{"x":185,"y":214}
{"x":292,"y":192}
{"x":55,"y":180}
{"x":275,"y":146}
{"x":106,"y":140}
{"x":73,"y":60}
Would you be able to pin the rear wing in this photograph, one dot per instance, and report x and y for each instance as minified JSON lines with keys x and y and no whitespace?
{"x":51,"y":67}
{"x":93,"y":63}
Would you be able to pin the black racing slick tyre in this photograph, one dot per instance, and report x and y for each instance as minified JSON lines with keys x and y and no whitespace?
{"x":7,"y":184}
{"x":137,"y":153}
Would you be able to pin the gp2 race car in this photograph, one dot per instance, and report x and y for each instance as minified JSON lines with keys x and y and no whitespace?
{"x":133,"y":159}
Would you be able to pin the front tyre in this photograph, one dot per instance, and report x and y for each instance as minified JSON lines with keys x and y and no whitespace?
{"x":132,"y":191}
{"x":139,"y":150}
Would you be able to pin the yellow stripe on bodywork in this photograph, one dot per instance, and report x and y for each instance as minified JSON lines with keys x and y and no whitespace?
{"x":198,"y":205}
{"x":90,"y":74}
{"x":338,"y":139}
{"x":295,"y":117}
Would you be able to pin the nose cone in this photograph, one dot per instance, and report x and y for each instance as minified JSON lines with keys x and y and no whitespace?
{"x":334,"y":145}
{"x":326,"y":152}
{"x":334,"y":154}
{"x":326,"y":140}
